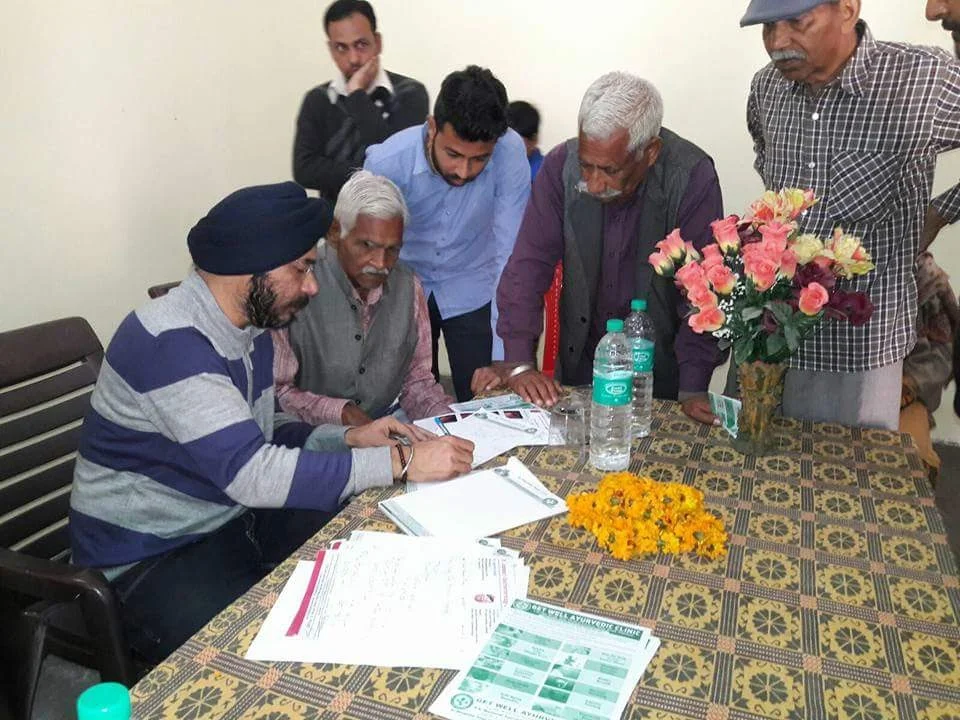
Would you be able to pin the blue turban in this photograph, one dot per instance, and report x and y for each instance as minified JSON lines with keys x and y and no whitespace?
{"x":257,"y":229}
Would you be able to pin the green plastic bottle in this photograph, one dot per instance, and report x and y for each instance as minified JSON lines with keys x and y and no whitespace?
{"x":106,"y":701}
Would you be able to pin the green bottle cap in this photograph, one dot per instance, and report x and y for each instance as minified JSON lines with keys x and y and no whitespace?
{"x":106,"y":701}
{"x":614,"y":325}
{"x":638,"y":305}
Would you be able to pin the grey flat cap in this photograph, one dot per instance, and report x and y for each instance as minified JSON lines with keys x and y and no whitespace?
{"x":764,"y":11}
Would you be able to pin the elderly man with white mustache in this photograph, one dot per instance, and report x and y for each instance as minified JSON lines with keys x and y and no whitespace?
{"x":600,"y":203}
{"x":365,"y":339}
{"x":861,"y":122}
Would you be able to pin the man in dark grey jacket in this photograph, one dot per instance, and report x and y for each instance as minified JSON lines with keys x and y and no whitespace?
{"x":362,"y":106}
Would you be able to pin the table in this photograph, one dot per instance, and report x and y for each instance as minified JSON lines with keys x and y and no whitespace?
{"x":839,"y":596}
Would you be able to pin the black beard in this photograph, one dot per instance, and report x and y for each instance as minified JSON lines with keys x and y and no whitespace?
{"x":260,"y":305}
{"x":435,"y":166}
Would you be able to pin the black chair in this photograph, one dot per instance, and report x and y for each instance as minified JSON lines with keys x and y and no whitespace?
{"x":47,"y":373}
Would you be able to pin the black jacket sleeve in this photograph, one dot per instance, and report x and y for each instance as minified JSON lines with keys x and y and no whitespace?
{"x":311,"y":167}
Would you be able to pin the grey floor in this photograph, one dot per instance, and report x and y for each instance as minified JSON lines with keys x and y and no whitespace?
{"x":61,"y":682}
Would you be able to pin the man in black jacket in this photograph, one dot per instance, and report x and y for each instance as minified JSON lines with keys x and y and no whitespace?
{"x":363,"y":105}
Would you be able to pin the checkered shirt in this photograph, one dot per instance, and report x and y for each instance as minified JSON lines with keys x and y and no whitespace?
{"x":867,"y":144}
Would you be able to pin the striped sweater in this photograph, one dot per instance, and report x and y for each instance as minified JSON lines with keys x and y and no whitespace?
{"x":183,"y":435}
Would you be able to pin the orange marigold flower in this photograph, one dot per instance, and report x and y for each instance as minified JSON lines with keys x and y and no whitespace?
{"x":632,"y":515}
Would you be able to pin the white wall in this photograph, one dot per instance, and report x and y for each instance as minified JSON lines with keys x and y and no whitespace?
{"x":125,"y":121}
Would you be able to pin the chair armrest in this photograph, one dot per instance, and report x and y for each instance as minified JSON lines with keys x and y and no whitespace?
{"x":48,"y":580}
{"x":57,"y":582}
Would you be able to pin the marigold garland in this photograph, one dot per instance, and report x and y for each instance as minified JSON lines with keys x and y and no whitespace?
{"x":632,"y":515}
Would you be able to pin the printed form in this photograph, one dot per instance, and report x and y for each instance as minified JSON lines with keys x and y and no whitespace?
{"x":547,"y":663}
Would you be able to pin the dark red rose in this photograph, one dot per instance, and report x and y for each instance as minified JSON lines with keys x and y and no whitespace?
{"x":812,"y":272}
{"x":768,"y":322}
{"x":856,"y":307}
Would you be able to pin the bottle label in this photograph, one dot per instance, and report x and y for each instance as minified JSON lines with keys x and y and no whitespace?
{"x":613,"y":389}
{"x":642,"y":355}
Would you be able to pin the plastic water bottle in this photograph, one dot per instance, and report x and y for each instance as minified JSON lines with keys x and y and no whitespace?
{"x":610,"y":411}
{"x":638,"y":328}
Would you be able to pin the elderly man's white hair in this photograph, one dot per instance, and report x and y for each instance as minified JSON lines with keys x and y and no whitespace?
{"x":367,"y":194}
{"x":620,"y":101}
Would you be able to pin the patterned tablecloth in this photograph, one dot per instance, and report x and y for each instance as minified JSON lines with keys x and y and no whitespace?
{"x":839,"y":596}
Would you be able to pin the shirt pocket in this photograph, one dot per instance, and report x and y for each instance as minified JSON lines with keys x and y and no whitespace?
{"x":861,"y":185}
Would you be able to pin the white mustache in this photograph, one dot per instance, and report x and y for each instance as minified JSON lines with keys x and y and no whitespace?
{"x":781,"y":55}
{"x":370,"y":270}
{"x":607,"y":194}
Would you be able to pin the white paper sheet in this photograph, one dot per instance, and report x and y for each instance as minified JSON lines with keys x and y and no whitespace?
{"x":393,"y":541}
{"x":477,"y":505}
{"x":419,"y":607}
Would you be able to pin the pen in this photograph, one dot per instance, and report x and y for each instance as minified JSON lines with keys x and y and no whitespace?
{"x":443,"y":428}
{"x":506,"y":423}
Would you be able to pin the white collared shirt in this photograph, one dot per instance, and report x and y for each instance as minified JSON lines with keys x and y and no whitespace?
{"x":338,"y":86}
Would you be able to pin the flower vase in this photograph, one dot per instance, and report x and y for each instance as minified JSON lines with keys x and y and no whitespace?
{"x":761,"y":390}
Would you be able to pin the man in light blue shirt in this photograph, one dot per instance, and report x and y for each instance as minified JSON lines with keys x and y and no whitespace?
{"x":466,"y":181}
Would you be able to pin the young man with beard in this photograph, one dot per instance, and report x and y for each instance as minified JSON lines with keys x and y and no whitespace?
{"x":466,"y":180}
{"x":363,"y":104}
{"x":187,"y":484}
{"x":860,"y":122}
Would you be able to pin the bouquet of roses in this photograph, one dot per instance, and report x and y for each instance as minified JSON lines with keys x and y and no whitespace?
{"x":762,"y":287}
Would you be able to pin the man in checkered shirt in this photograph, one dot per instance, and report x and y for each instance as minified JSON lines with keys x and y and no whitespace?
{"x":861,"y":122}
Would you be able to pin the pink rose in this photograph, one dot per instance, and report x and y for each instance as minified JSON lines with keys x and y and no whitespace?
{"x":672,"y":246}
{"x":774,"y":236}
{"x":691,"y":251}
{"x":761,"y":270}
{"x":707,"y":320}
{"x":726,"y":234}
{"x":690,"y":275}
{"x":711,"y":256}
{"x":788,"y":264}
{"x":762,"y":249}
{"x":700,"y":296}
{"x":812,"y":298}
{"x":722,"y":278}
{"x":662,"y":264}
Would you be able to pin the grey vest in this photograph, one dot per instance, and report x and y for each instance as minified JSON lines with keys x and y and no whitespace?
{"x":664,"y":187}
{"x":336,"y":357}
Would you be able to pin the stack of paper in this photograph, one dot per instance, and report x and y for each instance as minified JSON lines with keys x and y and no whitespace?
{"x":547,"y":662}
{"x":477,"y":505}
{"x":392,"y":600}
